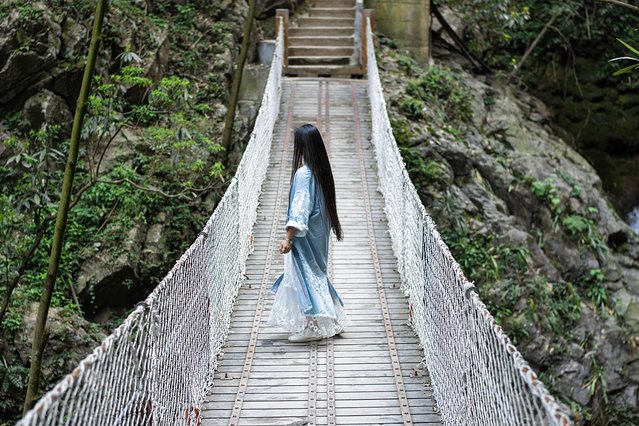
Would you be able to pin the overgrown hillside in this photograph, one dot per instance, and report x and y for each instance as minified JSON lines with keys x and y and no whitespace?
{"x":151,"y":166}
{"x":526,"y":217}
{"x":567,"y":45}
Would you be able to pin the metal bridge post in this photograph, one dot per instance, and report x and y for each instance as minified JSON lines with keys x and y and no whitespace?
{"x":470,"y":331}
{"x":368,"y":14}
{"x":402,"y":260}
{"x":359,"y":28}
{"x":281,"y":18}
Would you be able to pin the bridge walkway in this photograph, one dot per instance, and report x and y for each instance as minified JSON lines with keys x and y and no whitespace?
{"x":262,"y":379}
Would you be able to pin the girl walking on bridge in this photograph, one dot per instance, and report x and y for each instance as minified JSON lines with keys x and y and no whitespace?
{"x":306,"y":303}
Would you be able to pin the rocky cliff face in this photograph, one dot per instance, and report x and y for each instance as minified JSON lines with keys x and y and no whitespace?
{"x":526,"y":217}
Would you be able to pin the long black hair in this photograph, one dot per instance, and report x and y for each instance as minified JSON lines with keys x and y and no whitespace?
{"x":309,"y":145}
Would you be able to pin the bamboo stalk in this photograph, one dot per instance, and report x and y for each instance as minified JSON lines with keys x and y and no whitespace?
{"x":39,"y":340}
{"x":622,"y":4}
{"x":237,"y":79}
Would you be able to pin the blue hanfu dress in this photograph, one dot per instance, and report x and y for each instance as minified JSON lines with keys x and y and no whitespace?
{"x":304,"y":296}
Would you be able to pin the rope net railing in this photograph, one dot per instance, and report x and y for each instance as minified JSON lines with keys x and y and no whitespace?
{"x":479,"y":377}
{"x":157,"y":367}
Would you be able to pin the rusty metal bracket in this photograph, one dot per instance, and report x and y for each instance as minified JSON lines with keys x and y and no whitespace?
{"x":330,"y":353}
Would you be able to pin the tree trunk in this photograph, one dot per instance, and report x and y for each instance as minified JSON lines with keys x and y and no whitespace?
{"x":237,"y":79}
{"x":39,"y":341}
{"x":532,"y":46}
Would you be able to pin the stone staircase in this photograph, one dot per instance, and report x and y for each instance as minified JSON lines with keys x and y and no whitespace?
{"x":323,"y":43}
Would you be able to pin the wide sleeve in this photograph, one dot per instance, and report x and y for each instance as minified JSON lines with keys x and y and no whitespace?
{"x":302,"y":200}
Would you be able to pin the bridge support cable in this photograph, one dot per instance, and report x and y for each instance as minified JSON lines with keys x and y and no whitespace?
{"x":157,"y":367}
{"x":479,"y":376}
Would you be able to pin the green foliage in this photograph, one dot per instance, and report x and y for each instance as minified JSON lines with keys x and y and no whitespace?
{"x":546,"y":191}
{"x":407,"y":63}
{"x":555,"y":305}
{"x":505,"y":277}
{"x":175,"y":132}
{"x":386,"y":41}
{"x":635,"y":59}
{"x":177,"y":158}
{"x":13,"y":379}
{"x":216,"y":85}
{"x":575,"y":189}
{"x":596,"y":291}
{"x":413,"y":108}
{"x":607,"y":411}
{"x":494,"y":26}
{"x":197,"y":43}
{"x":401,"y":131}
{"x":429,"y":171}
{"x":499,"y":31}
{"x":163,"y":155}
{"x":29,"y":12}
{"x":440,"y":86}
{"x":583,"y":228}
{"x":621,"y":414}
{"x":577,"y":224}
{"x":597,"y":382}
{"x":12,"y":321}
{"x":435,"y":95}
{"x":129,"y":7}
{"x":482,"y":258}
{"x":221,"y":28}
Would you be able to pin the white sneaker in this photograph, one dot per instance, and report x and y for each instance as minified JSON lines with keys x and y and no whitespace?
{"x":304,"y":336}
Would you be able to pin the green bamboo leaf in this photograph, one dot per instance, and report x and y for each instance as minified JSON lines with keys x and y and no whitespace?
{"x":629,"y":47}
{"x":624,"y":70}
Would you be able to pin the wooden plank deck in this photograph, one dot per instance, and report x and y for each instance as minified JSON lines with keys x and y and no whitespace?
{"x":348,"y":379}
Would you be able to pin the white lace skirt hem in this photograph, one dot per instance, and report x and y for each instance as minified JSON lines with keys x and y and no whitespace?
{"x":287,"y":314}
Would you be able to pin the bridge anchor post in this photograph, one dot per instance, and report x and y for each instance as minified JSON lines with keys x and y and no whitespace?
{"x":283,"y":13}
{"x":366,"y":15}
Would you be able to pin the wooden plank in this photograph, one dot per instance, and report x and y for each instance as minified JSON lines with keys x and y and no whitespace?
{"x":362,"y":381}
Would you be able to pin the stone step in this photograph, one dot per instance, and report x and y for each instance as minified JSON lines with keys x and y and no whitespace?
{"x":319,"y":60}
{"x":325,"y":71}
{"x":325,"y":12}
{"x":327,"y":51}
{"x":321,"y":31}
{"x":297,"y":41}
{"x":333,"y":3}
{"x":327,"y":22}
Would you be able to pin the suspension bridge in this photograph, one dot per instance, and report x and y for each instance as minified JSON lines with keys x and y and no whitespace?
{"x":422,"y":347}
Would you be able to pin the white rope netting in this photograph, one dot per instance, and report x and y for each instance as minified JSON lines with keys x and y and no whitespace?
{"x":478,"y":375}
{"x":157,"y":367}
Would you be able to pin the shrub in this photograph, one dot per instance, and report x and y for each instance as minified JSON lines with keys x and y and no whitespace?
{"x":441,"y":86}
